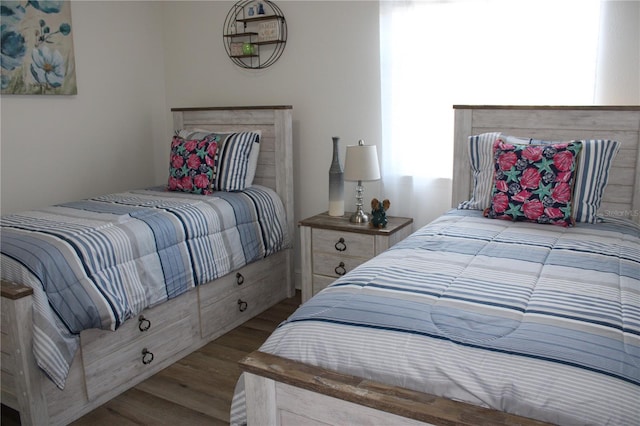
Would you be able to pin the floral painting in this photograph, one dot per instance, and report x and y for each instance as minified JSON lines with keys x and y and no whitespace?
{"x":37,"y":48}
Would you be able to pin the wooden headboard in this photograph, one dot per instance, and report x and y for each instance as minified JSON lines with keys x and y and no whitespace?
{"x":622,"y":123}
{"x":275,"y":163}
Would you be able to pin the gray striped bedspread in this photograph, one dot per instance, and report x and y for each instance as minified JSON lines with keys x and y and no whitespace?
{"x":98,"y":262}
{"x":535,"y":320}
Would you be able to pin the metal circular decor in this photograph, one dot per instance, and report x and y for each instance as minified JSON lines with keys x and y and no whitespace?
{"x":255,"y":33}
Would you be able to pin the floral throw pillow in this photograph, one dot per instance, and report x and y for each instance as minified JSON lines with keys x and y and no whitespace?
{"x":534,"y":183}
{"x":192,"y":164}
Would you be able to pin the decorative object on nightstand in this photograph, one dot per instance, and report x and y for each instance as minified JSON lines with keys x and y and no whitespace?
{"x":361,"y":164}
{"x":336,"y":182}
{"x":379,"y":213}
{"x":332,"y":246}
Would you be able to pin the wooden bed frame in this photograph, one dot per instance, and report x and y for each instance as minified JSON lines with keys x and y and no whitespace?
{"x":281,"y":391}
{"x":108,"y":363}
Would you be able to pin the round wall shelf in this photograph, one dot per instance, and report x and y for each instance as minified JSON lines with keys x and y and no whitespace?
{"x":255,"y":33}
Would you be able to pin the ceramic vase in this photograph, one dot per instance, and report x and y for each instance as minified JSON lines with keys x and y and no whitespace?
{"x":336,"y":182}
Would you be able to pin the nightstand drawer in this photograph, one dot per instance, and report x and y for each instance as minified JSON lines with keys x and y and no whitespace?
{"x":320,"y":282}
{"x":335,"y":265}
{"x":343,"y":243}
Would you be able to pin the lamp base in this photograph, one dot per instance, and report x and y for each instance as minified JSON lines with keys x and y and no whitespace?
{"x":359,"y":217}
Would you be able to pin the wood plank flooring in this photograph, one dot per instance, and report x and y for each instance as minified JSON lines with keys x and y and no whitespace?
{"x":197,"y":390}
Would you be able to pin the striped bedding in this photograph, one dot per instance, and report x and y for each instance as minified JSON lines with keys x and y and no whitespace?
{"x":98,"y":262}
{"x":536,"y":320}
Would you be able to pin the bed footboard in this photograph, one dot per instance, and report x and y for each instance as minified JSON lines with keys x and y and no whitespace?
{"x":281,"y":391}
{"x":21,"y":387}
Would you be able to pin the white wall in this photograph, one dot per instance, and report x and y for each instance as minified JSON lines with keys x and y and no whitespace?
{"x":62,"y":148}
{"x":329,"y":72}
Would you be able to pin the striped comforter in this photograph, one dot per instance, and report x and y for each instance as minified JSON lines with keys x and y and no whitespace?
{"x":536,"y":320}
{"x":98,"y":262}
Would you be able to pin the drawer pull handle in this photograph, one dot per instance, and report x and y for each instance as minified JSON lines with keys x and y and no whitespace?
{"x":143,"y":323}
{"x":242,"y":305}
{"x":147,"y":356}
{"x":340,"y":245}
{"x":340,"y":270}
{"x":239,"y":278}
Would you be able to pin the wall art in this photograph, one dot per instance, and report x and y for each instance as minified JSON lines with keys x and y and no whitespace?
{"x":37,"y":48}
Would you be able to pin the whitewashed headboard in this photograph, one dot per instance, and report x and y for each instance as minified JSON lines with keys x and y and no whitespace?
{"x":622,"y":195}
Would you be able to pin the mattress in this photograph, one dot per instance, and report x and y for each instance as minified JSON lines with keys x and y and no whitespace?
{"x":535,"y":320}
{"x":96,"y":263}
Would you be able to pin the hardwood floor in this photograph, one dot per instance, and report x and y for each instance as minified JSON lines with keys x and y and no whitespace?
{"x":196,"y":390}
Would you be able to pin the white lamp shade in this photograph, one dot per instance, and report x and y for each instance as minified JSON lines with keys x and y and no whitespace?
{"x":361,"y":163}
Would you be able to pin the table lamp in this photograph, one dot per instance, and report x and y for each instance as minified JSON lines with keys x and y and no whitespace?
{"x":361,"y":164}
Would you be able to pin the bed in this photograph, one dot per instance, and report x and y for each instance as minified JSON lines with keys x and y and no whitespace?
{"x":471,"y":320}
{"x":214,"y":261}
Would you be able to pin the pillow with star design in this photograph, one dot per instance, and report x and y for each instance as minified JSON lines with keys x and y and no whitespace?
{"x":534,"y":183}
{"x":191,"y":164}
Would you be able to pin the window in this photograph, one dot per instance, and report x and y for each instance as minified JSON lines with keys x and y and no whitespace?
{"x":435,"y":54}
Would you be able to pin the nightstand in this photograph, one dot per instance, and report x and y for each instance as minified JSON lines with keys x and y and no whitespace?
{"x":332,"y":246}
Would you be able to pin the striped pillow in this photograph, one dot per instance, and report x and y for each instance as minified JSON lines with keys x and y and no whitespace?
{"x":482,"y":165}
{"x":237,"y":161}
{"x":594,"y":163}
